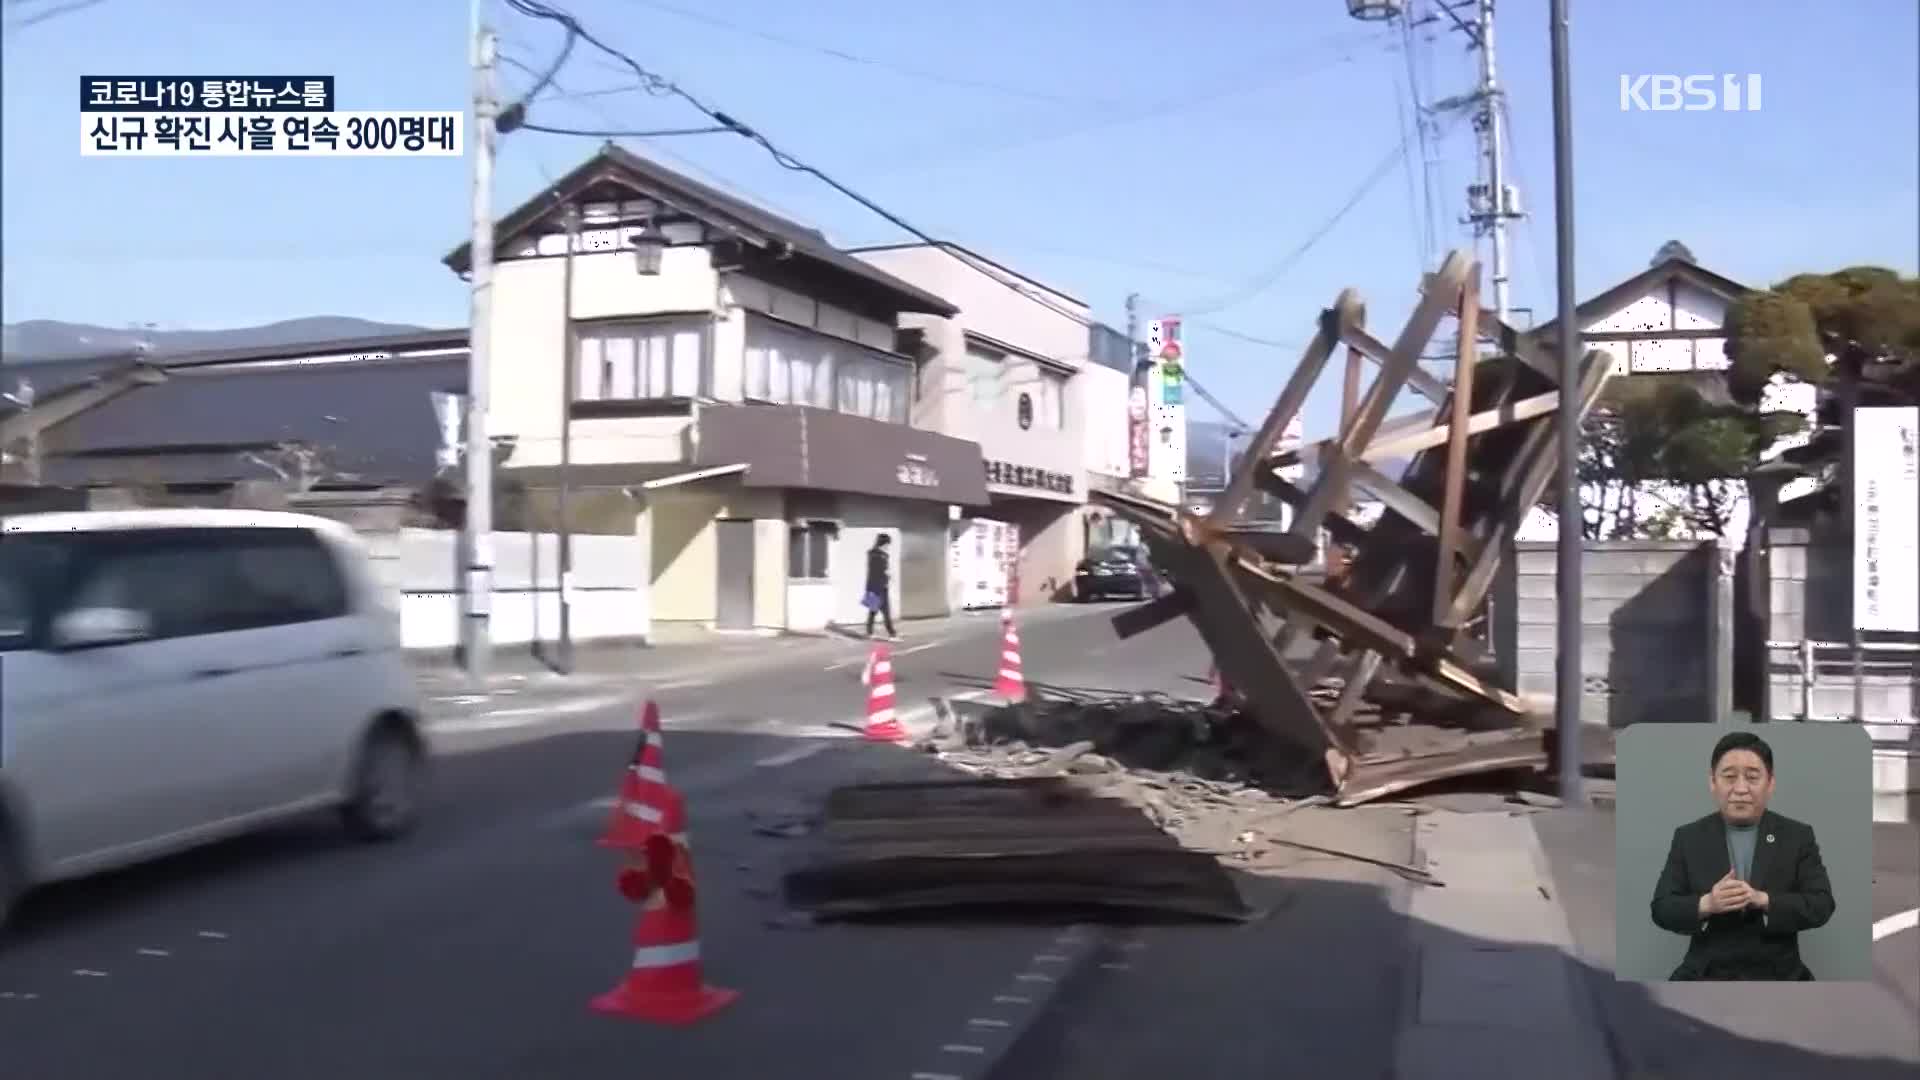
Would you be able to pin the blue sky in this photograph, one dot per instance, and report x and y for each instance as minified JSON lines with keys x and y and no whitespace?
{"x":1103,"y":147}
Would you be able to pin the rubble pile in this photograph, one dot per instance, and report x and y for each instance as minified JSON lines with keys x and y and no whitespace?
{"x":1206,"y":773}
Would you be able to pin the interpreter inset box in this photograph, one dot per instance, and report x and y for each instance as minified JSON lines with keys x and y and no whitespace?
{"x":1743,"y":853}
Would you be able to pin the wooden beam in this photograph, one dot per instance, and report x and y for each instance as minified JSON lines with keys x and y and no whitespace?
{"x":1374,"y":349}
{"x":1138,"y":620}
{"x":1397,"y":498}
{"x":1332,"y":481}
{"x":1465,"y":360}
{"x":1406,"y":435}
{"x":1520,"y":496}
{"x":1344,"y":528}
{"x":1249,"y":661}
{"x":1519,"y":346}
{"x":1288,"y":405}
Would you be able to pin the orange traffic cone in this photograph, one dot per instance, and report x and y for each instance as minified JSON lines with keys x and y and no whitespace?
{"x":647,"y":803}
{"x":664,"y":984}
{"x":883,"y":725}
{"x":1010,"y":683}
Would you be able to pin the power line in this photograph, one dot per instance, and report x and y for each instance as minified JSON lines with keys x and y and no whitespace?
{"x":565,"y":94}
{"x":1158,"y":109}
{"x":1265,"y":278}
{"x":655,"y":133}
{"x":51,"y":13}
{"x":661,"y":85}
{"x":868,"y":61}
{"x":540,"y":10}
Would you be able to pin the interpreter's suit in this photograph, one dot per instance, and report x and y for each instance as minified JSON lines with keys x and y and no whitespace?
{"x":1747,"y":945}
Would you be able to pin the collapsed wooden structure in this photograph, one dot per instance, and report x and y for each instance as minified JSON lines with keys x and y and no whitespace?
{"x":1392,"y":617}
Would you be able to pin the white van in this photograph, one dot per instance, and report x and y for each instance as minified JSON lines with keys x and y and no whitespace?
{"x":172,"y":677}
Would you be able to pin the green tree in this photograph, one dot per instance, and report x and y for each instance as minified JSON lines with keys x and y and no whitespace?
{"x":1680,"y":430}
{"x":1866,"y":318}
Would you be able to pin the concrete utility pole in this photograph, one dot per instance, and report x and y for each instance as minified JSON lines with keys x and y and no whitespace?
{"x":1568,"y":683}
{"x":1491,"y":201}
{"x":1133,"y":329}
{"x":476,"y":631}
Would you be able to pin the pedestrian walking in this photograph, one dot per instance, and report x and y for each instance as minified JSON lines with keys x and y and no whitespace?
{"x":879,"y":592}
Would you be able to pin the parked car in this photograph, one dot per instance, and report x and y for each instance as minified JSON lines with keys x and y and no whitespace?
{"x":1120,"y":570}
{"x":173,"y":677}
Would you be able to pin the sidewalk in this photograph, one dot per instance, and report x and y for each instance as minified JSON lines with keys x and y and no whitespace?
{"x":1497,"y":990}
{"x":1835,"y":1030}
{"x":598,"y":664}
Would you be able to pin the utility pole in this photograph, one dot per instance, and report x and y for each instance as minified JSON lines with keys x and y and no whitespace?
{"x":476,"y":631}
{"x":1491,"y":201}
{"x":1133,"y":329}
{"x":570,"y":364}
{"x":1568,"y":682}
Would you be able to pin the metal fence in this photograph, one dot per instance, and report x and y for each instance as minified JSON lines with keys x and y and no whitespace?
{"x":1860,"y":664}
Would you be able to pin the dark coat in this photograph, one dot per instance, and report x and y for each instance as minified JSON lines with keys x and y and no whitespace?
{"x":878,"y":578}
{"x":1747,"y":945}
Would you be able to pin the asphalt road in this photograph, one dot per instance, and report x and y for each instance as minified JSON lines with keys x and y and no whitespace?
{"x":470,"y":950}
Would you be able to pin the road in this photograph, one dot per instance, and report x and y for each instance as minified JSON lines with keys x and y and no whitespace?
{"x":470,"y":949}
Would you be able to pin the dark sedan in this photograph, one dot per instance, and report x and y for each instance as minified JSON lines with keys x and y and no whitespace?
{"x":1119,"y":571}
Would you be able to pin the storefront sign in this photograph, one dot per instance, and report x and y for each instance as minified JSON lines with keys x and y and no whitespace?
{"x":1138,"y":443}
{"x":1028,"y":476}
{"x":1886,"y":530}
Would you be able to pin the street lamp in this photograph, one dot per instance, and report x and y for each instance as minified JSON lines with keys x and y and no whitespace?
{"x":1374,"y":10}
{"x":649,"y":247}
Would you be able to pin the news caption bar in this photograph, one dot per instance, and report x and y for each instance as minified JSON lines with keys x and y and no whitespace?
{"x":251,"y":116}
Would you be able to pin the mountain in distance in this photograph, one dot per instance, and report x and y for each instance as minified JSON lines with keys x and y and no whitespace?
{"x":38,"y":340}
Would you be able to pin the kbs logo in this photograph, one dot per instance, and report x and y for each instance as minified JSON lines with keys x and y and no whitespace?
{"x":1689,"y":93}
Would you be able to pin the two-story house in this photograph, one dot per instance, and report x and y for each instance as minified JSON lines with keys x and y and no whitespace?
{"x":1001,"y":372}
{"x":1670,"y":320}
{"x":725,"y":384}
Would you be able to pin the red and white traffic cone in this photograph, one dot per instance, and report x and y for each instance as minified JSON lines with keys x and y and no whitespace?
{"x":883,"y":723}
{"x":664,"y":983}
{"x":1009,"y":683}
{"x":646,"y":804}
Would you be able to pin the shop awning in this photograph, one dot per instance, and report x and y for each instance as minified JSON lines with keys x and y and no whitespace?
{"x":793,"y":446}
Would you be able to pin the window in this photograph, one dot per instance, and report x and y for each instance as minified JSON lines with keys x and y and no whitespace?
{"x":984,"y":368}
{"x":793,"y":367}
{"x":211,"y":581}
{"x":659,"y":358}
{"x":1050,"y":402}
{"x":808,"y":545}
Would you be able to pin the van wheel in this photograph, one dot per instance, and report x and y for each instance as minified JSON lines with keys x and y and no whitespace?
{"x":387,"y":783}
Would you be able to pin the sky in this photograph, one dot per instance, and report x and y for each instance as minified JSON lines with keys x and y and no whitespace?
{"x":1191,"y":153}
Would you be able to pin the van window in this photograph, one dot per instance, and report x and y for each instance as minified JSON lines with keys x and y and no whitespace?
{"x":32,"y":567}
{"x":211,"y":581}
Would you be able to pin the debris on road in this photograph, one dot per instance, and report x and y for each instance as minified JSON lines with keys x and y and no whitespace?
{"x":1005,"y":845}
{"x":1397,"y":623}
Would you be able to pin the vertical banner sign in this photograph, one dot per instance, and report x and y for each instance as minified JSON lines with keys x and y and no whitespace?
{"x":1886,"y":519}
{"x":1167,"y":352}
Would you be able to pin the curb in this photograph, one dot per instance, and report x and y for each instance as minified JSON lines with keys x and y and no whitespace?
{"x":979,"y":1046}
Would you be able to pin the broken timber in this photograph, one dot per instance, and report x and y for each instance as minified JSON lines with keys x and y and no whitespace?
{"x":1004,"y":845}
{"x":1480,"y":459}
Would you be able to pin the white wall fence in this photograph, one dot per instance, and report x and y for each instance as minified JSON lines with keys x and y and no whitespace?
{"x":609,"y":600}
